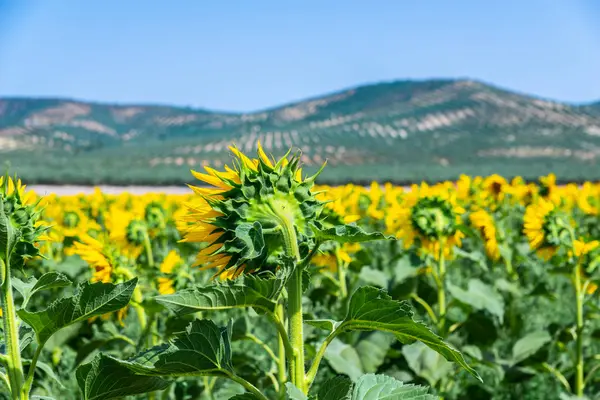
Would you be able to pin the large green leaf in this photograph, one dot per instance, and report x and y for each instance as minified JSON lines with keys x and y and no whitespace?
{"x":380,"y":387}
{"x":373,"y":309}
{"x":202,"y":350}
{"x":49,"y":280}
{"x":260,"y":293}
{"x":426,"y":363}
{"x":480,"y":296}
{"x":350,"y":233}
{"x":47,"y":369}
{"x":372,"y":387}
{"x":293,"y":393}
{"x":90,"y":300}
{"x":364,"y":357}
{"x":344,"y":359}
{"x":108,"y":378}
{"x":529,"y":345}
{"x":336,"y":388}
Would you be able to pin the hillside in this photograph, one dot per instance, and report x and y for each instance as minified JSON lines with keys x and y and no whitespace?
{"x":401,"y":131}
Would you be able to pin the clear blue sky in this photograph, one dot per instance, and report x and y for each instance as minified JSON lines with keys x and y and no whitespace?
{"x":246,"y":55}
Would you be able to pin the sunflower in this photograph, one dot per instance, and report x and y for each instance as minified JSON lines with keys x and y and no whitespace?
{"x":588,"y":199}
{"x":97,"y":255}
{"x":431,"y":216}
{"x":253,"y":217}
{"x":336,"y":255}
{"x":21,"y":229}
{"x":546,"y":228}
{"x":166,"y":283}
{"x":484,"y":223}
{"x":495,"y":189}
{"x":341,"y":203}
{"x":548,"y":189}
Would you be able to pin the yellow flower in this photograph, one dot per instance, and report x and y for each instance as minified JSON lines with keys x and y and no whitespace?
{"x":588,"y":199}
{"x":581,"y":248}
{"x":545,"y":228}
{"x":94,"y":253}
{"x":27,"y":197}
{"x":495,"y":185}
{"x":429,"y":215}
{"x":548,"y":189}
{"x":484,"y":222}
{"x":165,"y":286}
{"x":170,"y":262}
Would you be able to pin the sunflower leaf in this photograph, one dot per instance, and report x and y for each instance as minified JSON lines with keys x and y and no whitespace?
{"x":91,"y":300}
{"x":379,"y":387}
{"x":480,"y":296}
{"x":108,"y":378}
{"x":250,"y":291}
{"x":336,"y":388}
{"x":350,"y":233}
{"x":373,"y":309}
{"x":49,"y":280}
{"x":202,"y":350}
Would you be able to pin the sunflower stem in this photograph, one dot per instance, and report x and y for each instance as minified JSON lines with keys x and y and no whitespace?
{"x":441,"y":289}
{"x":510,"y":270}
{"x":341,"y":271}
{"x":579,"y":380}
{"x":148,"y":248}
{"x":282,"y":362}
{"x":14,"y":365}
{"x":294,"y":289}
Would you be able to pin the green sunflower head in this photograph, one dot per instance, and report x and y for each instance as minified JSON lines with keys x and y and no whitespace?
{"x":71,"y":219}
{"x":20,"y":230}
{"x":137,"y":232}
{"x":434,"y":217}
{"x":557,"y":229}
{"x":155,"y":216}
{"x":260,"y":214}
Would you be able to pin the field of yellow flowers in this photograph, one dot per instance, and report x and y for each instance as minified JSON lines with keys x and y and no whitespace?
{"x":259,"y":285}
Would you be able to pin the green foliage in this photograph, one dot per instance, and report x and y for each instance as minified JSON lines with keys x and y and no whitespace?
{"x":249,"y":291}
{"x":91,"y":300}
{"x":373,"y":309}
{"x":106,"y":378}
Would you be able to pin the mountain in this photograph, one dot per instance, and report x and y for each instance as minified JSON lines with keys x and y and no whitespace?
{"x":401,"y":131}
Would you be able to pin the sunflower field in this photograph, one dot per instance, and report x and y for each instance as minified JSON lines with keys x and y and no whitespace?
{"x":262,"y":284}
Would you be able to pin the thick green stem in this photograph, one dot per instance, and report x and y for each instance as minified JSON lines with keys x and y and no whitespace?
{"x":341,"y":271}
{"x":14,"y":367}
{"x":30,"y":374}
{"x":314,"y":368}
{"x":510,"y":270}
{"x":579,"y":381}
{"x":281,"y":363}
{"x":208,"y":388}
{"x":296,"y":329}
{"x":441,"y":290}
{"x":294,"y":289}
{"x":148,"y":248}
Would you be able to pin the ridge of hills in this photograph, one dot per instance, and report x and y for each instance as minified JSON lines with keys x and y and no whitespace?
{"x":401,"y":131}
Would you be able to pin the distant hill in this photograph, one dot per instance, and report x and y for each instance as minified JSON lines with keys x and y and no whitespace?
{"x":401,"y":131}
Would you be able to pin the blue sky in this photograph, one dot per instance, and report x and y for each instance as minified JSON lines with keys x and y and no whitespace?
{"x":248,"y":55}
